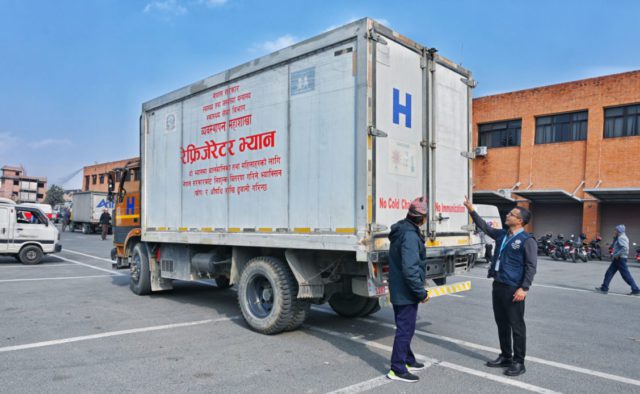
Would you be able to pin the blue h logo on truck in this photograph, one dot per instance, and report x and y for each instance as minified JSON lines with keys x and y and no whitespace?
{"x":131,"y":205}
{"x":401,"y":109}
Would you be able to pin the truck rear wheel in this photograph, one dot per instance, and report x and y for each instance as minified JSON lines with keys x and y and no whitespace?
{"x":86,"y":228}
{"x":267,"y":295}
{"x":302,"y":309}
{"x":140,"y":282}
{"x":30,"y":255}
{"x":353,"y":305}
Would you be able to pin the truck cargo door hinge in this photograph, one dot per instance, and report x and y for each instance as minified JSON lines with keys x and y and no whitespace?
{"x":424,"y":143}
{"x":469,"y":155}
{"x":377,"y":132}
{"x":472,"y":83}
{"x":372,"y":35}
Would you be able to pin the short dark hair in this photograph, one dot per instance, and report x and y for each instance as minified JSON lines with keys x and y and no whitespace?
{"x":525,"y":214}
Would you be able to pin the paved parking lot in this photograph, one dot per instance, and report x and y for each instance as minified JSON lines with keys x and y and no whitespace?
{"x":71,"y":324}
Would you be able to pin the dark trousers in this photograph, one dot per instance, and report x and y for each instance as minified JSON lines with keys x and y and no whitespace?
{"x":509,"y":317}
{"x":105,"y":231}
{"x":405,"y":316}
{"x":619,"y":264}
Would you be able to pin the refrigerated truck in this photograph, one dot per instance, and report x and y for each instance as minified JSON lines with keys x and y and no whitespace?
{"x":283,"y":175}
{"x":86,"y":210}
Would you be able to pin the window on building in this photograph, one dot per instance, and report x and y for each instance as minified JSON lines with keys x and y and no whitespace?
{"x":102,"y":179}
{"x":86,"y":183}
{"x":561,"y":128}
{"x":499,"y":134}
{"x":94,"y":179}
{"x":622,"y":121}
{"x":16,"y":183}
{"x":137,"y":174}
{"x":117,"y":176}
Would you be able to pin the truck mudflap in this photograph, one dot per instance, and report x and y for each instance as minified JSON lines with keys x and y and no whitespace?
{"x":58,"y":248}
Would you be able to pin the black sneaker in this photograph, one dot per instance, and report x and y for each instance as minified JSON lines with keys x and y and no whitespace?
{"x":417,"y":366}
{"x":599,"y":290}
{"x":403,"y":377}
{"x":635,"y":293}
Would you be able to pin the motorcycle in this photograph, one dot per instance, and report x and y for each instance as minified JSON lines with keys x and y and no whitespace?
{"x":637,"y":253}
{"x":594,"y":248}
{"x":556,"y":249}
{"x":544,"y":243}
{"x":580,"y":248}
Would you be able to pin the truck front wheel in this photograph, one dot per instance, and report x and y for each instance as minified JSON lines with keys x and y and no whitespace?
{"x":30,"y":255}
{"x":267,"y":295}
{"x":140,"y":275}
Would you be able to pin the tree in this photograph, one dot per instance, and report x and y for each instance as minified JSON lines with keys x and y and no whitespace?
{"x":55,"y":195}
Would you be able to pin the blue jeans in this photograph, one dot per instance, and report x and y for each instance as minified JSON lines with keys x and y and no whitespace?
{"x":401,"y":356}
{"x":619,"y":264}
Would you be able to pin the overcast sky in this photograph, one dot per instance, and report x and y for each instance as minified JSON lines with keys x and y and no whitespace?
{"x":73,"y":74}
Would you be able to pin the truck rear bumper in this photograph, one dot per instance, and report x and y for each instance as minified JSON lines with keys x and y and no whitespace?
{"x":58,"y":248}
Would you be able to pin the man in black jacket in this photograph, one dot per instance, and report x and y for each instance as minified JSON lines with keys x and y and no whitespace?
{"x":512,"y":268}
{"x":105,"y":220}
{"x":407,"y":272}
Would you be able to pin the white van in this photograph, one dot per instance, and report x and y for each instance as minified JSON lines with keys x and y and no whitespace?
{"x":26,"y":233}
{"x":491,"y":215}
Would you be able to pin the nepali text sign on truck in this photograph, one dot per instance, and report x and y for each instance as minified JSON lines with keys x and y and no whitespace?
{"x":284,"y":175}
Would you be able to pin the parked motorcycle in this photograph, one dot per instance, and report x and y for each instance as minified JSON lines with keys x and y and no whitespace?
{"x":594,"y":249}
{"x":637,"y":252}
{"x":544,"y":243}
{"x":580,"y":248}
{"x":556,"y":249}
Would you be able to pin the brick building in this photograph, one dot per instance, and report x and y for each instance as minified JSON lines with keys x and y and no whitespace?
{"x":18,"y":186}
{"x":570,"y":152}
{"x":95,"y":176}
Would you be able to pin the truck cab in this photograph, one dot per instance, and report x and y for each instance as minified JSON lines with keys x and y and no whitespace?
{"x":125,"y":195}
{"x":26,"y":233}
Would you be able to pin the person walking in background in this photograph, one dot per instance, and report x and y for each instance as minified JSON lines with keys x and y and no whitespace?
{"x":407,"y":273}
{"x":619,"y":258}
{"x":512,"y":268}
{"x":105,"y":220}
{"x":66,"y":216}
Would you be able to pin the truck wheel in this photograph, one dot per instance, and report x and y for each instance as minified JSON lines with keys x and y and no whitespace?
{"x":140,"y":275}
{"x":374,"y":307}
{"x":86,"y":229}
{"x":440,"y":281}
{"x":352,"y":305}
{"x":72,"y":227}
{"x":223,"y":282}
{"x":302,"y":309}
{"x":30,"y":255}
{"x":266,"y":294}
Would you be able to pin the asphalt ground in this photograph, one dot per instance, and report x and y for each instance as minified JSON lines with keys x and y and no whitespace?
{"x":71,"y":324}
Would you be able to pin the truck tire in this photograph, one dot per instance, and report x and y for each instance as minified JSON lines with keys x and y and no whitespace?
{"x":86,"y":228}
{"x":267,"y":294}
{"x":72,"y":227}
{"x":440,"y":281}
{"x":375,"y":307}
{"x":223,"y":282}
{"x":140,"y":282}
{"x":30,"y":255}
{"x":352,"y":305}
{"x":302,"y":309}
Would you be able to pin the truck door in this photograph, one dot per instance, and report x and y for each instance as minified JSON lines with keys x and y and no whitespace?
{"x":399,"y":156}
{"x":449,"y":142}
{"x":5,"y":227}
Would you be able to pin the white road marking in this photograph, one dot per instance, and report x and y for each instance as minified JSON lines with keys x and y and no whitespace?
{"x":455,"y":295}
{"x":363,"y":386}
{"x":472,"y":345}
{"x":111,"y":334}
{"x":112,"y":272}
{"x":35,"y":266}
{"x":431,"y":361}
{"x":58,"y":278}
{"x":555,"y":364}
{"x":553,"y":287}
{"x":87,"y":255}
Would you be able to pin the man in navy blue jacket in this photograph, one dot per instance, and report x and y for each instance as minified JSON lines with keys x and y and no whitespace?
{"x":407,"y":273}
{"x":512,"y":268}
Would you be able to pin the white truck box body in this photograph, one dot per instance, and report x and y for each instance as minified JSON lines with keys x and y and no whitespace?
{"x":88,"y":206}
{"x":312,"y":147}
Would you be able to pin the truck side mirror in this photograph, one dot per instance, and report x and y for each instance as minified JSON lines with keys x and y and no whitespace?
{"x":110,"y":187}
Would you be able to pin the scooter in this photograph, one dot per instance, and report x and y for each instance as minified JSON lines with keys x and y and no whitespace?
{"x":637,"y":253}
{"x":595,"y":250}
{"x":556,"y":249}
{"x":580,"y":250}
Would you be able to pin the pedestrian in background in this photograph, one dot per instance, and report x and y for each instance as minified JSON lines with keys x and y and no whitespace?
{"x":619,"y":258}
{"x":512,"y":268}
{"x":66,"y":215}
{"x":407,"y":274}
{"x":105,"y":220}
